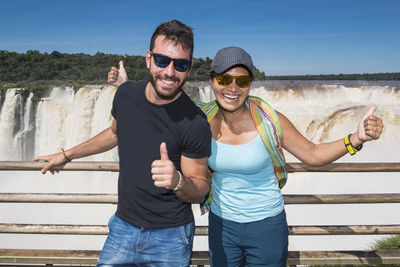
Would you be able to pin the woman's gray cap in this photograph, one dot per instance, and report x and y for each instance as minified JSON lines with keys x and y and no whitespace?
{"x":231,"y":56}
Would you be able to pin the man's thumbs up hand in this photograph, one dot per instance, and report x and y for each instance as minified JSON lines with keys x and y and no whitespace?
{"x":163,"y":171}
{"x":164,"y":151}
{"x":117,"y":77}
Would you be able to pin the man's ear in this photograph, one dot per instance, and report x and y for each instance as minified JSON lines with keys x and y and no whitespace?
{"x":148,"y":59}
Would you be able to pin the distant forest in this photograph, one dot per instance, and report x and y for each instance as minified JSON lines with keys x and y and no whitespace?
{"x":35,"y":66}
{"x":37,"y":71}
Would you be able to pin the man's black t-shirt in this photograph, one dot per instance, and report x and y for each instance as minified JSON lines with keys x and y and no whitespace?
{"x":141,"y":127}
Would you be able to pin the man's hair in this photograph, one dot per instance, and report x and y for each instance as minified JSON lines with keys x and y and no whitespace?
{"x":176,"y":32}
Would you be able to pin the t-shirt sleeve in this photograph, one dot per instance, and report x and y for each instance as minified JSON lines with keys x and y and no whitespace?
{"x":113,"y":110}
{"x":197,"y":139}
{"x":121,"y":90}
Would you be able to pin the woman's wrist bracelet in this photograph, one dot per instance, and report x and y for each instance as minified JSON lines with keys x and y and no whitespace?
{"x":65,"y":155}
{"x":350,"y":148}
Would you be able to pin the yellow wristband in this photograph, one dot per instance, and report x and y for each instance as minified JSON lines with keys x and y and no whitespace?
{"x":352,"y":150}
{"x":348,"y":145}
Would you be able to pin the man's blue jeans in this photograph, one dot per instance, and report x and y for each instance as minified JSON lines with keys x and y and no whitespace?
{"x":127,"y":245}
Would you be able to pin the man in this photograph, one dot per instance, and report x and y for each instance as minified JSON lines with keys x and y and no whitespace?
{"x":163,"y":144}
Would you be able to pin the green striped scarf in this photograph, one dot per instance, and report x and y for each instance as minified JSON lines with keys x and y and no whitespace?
{"x":267,"y":123}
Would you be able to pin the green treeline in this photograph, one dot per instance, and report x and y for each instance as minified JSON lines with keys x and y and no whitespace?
{"x":35,"y":66}
{"x":82,"y":68}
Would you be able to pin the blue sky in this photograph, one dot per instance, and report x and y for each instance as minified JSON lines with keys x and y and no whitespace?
{"x":283,"y":37}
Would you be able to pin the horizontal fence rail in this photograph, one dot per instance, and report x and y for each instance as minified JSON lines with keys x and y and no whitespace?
{"x":113,"y":198}
{"x":344,"y":257}
{"x":200,"y":258}
{"x":200,"y":230}
{"x":59,"y":198}
{"x":114,"y":166}
{"x":49,"y":257}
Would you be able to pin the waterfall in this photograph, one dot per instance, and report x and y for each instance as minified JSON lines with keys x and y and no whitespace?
{"x":321,"y":111}
{"x":102,"y":119}
{"x":23,"y":139}
{"x":8,"y":122}
{"x":326,"y":112}
{"x":53,"y":121}
{"x":206,"y":94}
{"x":65,"y":118}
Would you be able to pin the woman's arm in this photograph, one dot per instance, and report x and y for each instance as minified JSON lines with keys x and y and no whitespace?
{"x":370,"y":128}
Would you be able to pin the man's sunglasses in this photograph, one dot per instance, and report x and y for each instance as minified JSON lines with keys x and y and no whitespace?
{"x":226,"y":79}
{"x":180,"y":64}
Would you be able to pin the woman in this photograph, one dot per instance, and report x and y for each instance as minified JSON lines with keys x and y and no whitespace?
{"x":247,"y":221}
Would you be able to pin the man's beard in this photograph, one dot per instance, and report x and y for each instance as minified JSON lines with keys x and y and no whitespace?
{"x":165,"y":94}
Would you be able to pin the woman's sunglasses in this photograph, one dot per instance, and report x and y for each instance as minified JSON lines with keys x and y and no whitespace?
{"x":180,"y":64}
{"x":226,"y":79}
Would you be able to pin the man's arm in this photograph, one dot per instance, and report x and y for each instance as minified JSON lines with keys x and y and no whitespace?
{"x":194,"y":186}
{"x":102,"y":142}
{"x":191,"y":185}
